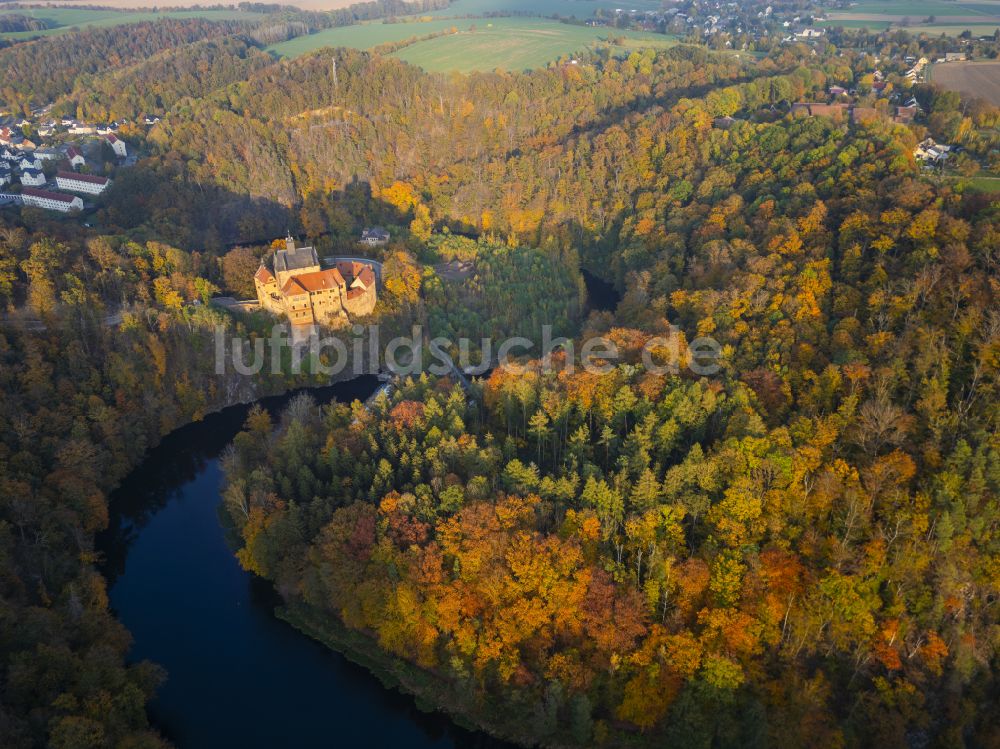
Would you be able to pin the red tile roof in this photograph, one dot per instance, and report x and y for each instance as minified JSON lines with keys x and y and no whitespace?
{"x":321,"y":280}
{"x":264,"y":275}
{"x":91,"y":178}
{"x":59,"y":196}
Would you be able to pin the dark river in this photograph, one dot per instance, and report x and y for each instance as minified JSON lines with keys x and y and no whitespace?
{"x":237,"y":675}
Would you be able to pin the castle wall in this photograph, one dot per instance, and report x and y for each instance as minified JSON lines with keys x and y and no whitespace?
{"x":360,"y":304}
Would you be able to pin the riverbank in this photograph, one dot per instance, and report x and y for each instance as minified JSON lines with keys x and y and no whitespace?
{"x":179,"y":589}
{"x":432,"y":693}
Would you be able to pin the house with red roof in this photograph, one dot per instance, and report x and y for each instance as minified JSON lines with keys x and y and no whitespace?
{"x":90,"y":184}
{"x":117,"y":145}
{"x":75,"y":157}
{"x":51,"y":201}
{"x":297,"y":287}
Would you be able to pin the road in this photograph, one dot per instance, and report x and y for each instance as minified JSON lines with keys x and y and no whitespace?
{"x":111,"y":320}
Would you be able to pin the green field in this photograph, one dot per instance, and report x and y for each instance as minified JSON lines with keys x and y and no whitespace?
{"x":954,"y":30}
{"x":362,"y":36}
{"x":481,"y":44}
{"x":564,"y":8}
{"x":981,"y":17}
{"x":513,"y":44}
{"x":985,"y":184}
{"x":852,"y":24}
{"x":935,"y":29}
{"x":926,"y":8}
{"x":985,"y":181}
{"x":66,"y":19}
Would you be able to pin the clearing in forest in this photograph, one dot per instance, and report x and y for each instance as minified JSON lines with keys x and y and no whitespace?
{"x":479,"y":44}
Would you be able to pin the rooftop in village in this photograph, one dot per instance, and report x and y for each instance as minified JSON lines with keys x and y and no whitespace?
{"x":48,"y":194}
{"x":91,"y":178}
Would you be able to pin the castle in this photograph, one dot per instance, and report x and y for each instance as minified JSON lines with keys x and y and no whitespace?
{"x":297,"y":288}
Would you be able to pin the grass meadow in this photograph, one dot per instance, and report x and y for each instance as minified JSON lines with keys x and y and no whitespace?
{"x":515,"y":44}
{"x":480,"y":44}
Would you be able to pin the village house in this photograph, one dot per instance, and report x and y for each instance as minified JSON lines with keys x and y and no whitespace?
{"x":52,"y":201}
{"x":917,"y":70}
{"x":32,"y":177}
{"x":905,"y":115}
{"x":374,"y":236}
{"x":117,"y":145}
{"x":296,"y":287}
{"x":29,"y":161}
{"x":5,"y":176}
{"x":90,"y":184}
{"x":74,"y":157}
{"x":930,"y":152}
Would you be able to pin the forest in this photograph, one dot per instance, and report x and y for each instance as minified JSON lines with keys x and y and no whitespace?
{"x":800,"y":550}
{"x":41,"y":71}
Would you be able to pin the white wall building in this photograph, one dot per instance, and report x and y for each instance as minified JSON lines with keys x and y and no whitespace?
{"x":32,"y":178}
{"x":117,"y":145}
{"x":51,"y":201}
{"x":374,"y":236}
{"x":930,"y":152}
{"x":75,"y":157}
{"x":86,"y":183}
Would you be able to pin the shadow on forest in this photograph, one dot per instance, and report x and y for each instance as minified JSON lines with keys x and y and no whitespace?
{"x":145,"y":206}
